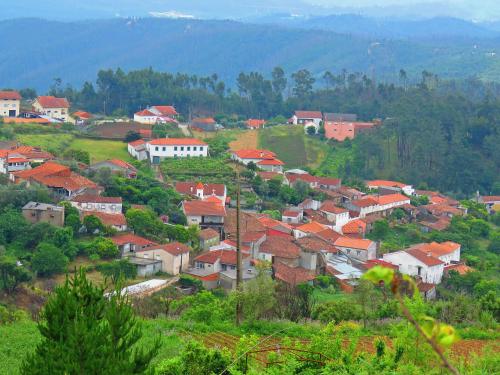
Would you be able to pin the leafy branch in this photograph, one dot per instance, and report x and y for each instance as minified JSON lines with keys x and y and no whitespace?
{"x":436,"y":334}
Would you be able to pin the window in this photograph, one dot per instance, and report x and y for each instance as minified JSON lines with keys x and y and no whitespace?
{"x":188,"y":148}
{"x":194,"y":148}
{"x":175,"y":148}
{"x":156,"y":148}
{"x":182,"y":148}
{"x":164,"y":149}
{"x":201,"y":148}
{"x":103,"y":206}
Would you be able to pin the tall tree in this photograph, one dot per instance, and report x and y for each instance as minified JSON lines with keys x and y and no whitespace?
{"x":85,"y":332}
{"x":304,"y":81}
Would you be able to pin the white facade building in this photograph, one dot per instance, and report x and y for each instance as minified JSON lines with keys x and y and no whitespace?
{"x":10,"y":103}
{"x":414,"y":262}
{"x":55,"y":108}
{"x":163,"y":148}
{"x":107,"y":205}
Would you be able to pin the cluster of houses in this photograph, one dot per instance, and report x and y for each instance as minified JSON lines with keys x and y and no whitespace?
{"x":338,"y":126}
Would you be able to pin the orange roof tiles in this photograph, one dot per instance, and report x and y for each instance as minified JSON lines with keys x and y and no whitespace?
{"x":354,"y":227}
{"x":426,"y":259}
{"x":121,"y":164}
{"x":202,"y":208}
{"x":437,"y":249}
{"x":385,"y":183}
{"x":84,"y":198}
{"x":166,"y":110}
{"x":280,"y":247}
{"x":255,"y":154}
{"x":52,"y":102}
{"x":108,"y":219}
{"x":353,"y":243}
{"x":309,"y":114}
{"x":9,"y":95}
{"x":364,"y":202}
{"x":225,"y":257}
{"x":330,"y":207}
{"x":255,"y":123}
{"x":292,"y":275}
{"x":177,"y":142}
{"x":190,"y":188}
{"x":136,"y":143}
{"x":392,"y":198}
{"x":270,"y":162}
{"x":312,"y":227}
{"x":174,"y":248}
{"x":123,"y":239}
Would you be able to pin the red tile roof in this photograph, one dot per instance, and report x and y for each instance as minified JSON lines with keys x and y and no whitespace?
{"x":437,"y":249}
{"x":426,"y":259}
{"x":379,"y":262}
{"x":84,"y":198}
{"x":270,"y":162}
{"x":136,"y":143}
{"x":392,"y":198}
{"x":353,"y":243}
{"x":354,"y":227}
{"x":312,"y":227}
{"x":122,"y":164}
{"x":122,"y":239}
{"x":280,"y":247}
{"x":174,"y":248}
{"x":491,"y":199}
{"x":108,"y":219}
{"x":204,"y":120}
{"x":316,"y":244}
{"x":189,"y":188}
{"x":290,"y":213}
{"x":328,"y":181}
{"x":462,"y":269}
{"x":385,"y":183}
{"x":254,"y":154}
{"x":202,"y":208}
{"x":328,"y":234}
{"x":52,"y":102}
{"x":166,"y":110}
{"x":33,"y":152}
{"x":255,"y":123}
{"x":225,"y":257}
{"x":177,"y":142}
{"x":145,"y":112}
{"x":82,"y":115}
{"x":364,"y":202}
{"x":292,"y":275}
{"x":211,"y":277}
{"x":309,"y":114}
{"x":330,"y":207}
{"x":9,"y":95}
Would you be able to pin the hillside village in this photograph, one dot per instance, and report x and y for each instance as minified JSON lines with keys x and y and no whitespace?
{"x":163,"y":200}
{"x":326,"y":233}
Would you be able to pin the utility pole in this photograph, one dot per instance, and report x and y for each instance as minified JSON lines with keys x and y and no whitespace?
{"x":238,"y":252}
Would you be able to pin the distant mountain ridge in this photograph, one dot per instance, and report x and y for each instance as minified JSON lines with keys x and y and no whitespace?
{"x":36,"y":51}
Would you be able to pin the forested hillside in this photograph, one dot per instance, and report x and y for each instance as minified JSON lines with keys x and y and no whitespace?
{"x":74,"y":51}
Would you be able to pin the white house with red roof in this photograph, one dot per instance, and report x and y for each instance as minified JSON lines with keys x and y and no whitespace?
{"x":304,"y":117}
{"x":87,"y":202}
{"x":55,"y":108}
{"x":264,"y":159}
{"x":116,"y":166}
{"x":10,"y":103}
{"x":205,"y":214}
{"x":415,"y":262}
{"x":174,"y":256}
{"x":292,"y":216}
{"x":12,"y":162}
{"x":163,"y":148}
{"x":338,"y":216}
{"x":137,"y":149}
{"x":158,"y":114}
{"x":357,"y":248}
{"x":202,"y":191}
{"x":129,"y":243}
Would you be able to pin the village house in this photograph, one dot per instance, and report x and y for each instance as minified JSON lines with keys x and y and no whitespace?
{"x":363,"y":207}
{"x":448,"y":252}
{"x":116,"y":166}
{"x":12,"y":162}
{"x":390,"y":187}
{"x":338,"y":216}
{"x":116,"y":220}
{"x":310,"y":204}
{"x":35,"y":212}
{"x":491,"y":202}
{"x":314,"y":182}
{"x":254,"y":124}
{"x":312,"y":227}
{"x":87,"y":202}
{"x":174,"y":256}
{"x":10,"y":103}
{"x":306,"y":117}
{"x":59,"y":179}
{"x":340,"y":117}
{"x":342,"y":130}
{"x":275,"y":227}
{"x":417,"y":263}
{"x":52,"y":107}
{"x":32,"y":154}
{"x":280,"y":249}
{"x":264,"y":159}
{"x":386,"y":203}
{"x":355,"y":228}
{"x":312,"y":250}
{"x":359,"y":249}
{"x":137,"y":149}
{"x":292,"y":216}
{"x":205,"y":214}
{"x":208,"y":238}
{"x":163,"y":148}
{"x":129,"y":243}
{"x":81,"y":117}
{"x":158,"y":114}
{"x":202,"y":191}
{"x":206,"y":124}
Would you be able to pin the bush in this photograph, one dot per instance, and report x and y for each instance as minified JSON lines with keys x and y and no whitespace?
{"x":337,"y":311}
{"x":103,"y":248}
{"x":48,"y":260}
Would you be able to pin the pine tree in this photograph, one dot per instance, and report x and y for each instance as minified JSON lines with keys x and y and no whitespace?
{"x":85,"y":332}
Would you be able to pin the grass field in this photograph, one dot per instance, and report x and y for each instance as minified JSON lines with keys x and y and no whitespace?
{"x":57,"y":143}
{"x":292,"y":146}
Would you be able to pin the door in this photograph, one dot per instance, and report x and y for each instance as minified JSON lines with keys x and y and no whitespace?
{"x":12,"y":113}
{"x":156,"y":160}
